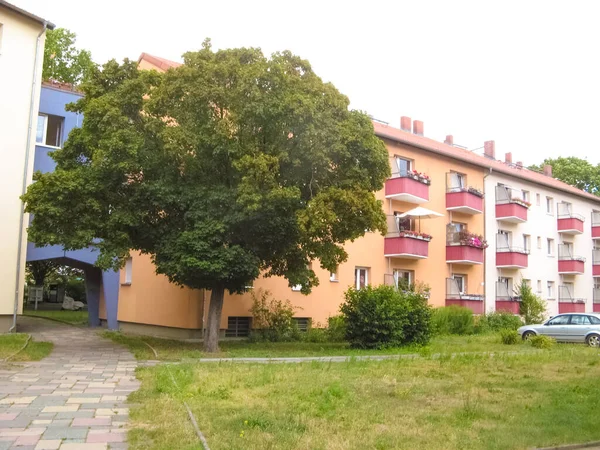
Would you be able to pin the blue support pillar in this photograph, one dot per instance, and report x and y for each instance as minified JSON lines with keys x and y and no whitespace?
{"x":110,"y":282}
{"x":93,"y":283}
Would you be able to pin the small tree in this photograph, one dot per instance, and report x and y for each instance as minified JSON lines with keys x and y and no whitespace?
{"x":532,"y":307}
{"x":63,"y":62}
{"x":38,"y":271}
{"x":272,"y":319}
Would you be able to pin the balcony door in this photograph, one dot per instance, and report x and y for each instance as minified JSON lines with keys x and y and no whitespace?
{"x":460,"y":283}
{"x":403,"y":165}
{"x":403,"y":278}
{"x":503,"y":239}
{"x":456,"y":182}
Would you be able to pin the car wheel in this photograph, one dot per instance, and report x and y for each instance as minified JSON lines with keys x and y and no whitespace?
{"x":527,"y":335}
{"x":593,"y":340}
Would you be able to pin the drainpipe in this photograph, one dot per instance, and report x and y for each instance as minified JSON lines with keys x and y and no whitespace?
{"x":25,"y":172}
{"x":485,"y":299}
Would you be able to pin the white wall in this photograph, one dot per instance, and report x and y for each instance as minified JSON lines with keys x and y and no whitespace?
{"x":17,"y":56}
{"x":540,"y":266}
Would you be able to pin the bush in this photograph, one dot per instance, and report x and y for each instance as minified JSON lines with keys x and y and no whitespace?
{"x":542,"y":341}
{"x":532,"y":307}
{"x":496,"y":321}
{"x":385,"y":317}
{"x":315,"y":335}
{"x":272,"y":319}
{"x":336,"y":328}
{"x":452,"y":320}
{"x":509,"y":336}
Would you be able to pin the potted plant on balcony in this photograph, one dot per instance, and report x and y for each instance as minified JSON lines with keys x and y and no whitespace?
{"x":475,"y":191}
{"x":472,"y":240}
{"x":420,"y":177}
{"x":520,"y":201}
{"x":415,"y":235}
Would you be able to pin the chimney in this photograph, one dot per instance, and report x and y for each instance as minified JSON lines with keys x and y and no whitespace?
{"x":405,"y":123}
{"x":449,"y":140}
{"x":418,"y":127}
{"x":489,"y":149}
{"x":548,"y":170}
{"x":508,"y":158}
{"x":519,"y":164}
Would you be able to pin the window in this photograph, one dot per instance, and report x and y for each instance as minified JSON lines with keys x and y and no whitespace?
{"x":550,"y":247}
{"x":549,"y":205}
{"x":403,"y":278}
{"x":404,"y":223}
{"x":49,"y":130}
{"x":560,"y":320}
{"x":403,"y":165}
{"x":458,"y":182}
{"x":457,"y":227}
{"x":594,"y":320}
{"x":527,"y":282}
{"x":297,"y":287}
{"x":539,"y":242}
{"x":1,"y":30}
{"x":302,"y":323}
{"x":539,"y":286}
{"x":238,"y":327}
{"x":577,"y":319}
{"x":538,"y":199}
{"x":527,"y":243}
{"x":461,"y":282}
{"x":550,"y":287}
{"x":526,"y":195}
{"x":128,"y":270}
{"x":333,"y":276}
{"x":361,"y":277}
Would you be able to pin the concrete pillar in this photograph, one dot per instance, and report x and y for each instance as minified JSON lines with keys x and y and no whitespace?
{"x":93,"y":283}
{"x":110,"y":283}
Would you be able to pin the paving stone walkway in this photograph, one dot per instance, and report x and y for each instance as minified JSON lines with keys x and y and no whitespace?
{"x":73,"y":399}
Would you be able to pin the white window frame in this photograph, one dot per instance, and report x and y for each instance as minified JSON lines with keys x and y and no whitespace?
{"x":527,"y":242}
{"x":538,"y":199}
{"x":399,"y":273}
{"x":539,"y":242}
{"x":128,"y":271}
{"x":526,"y":195}
{"x":333,"y":276}
{"x":45,"y":132}
{"x":357,"y":271}
{"x":550,"y":289}
{"x":409,"y":164}
{"x":462,"y":288}
{"x":549,"y":206}
{"x":550,"y":247}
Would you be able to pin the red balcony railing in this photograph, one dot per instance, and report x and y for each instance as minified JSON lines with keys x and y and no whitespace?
{"x":510,"y":207}
{"x":408,"y":187}
{"x":596,"y":263}
{"x":506,"y":300}
{"x":567,"y":303}
{"x":569,"y":264}
{"x":454,"y":297}
{"x":596,"y":299}
{"x":595,"y":225}
{"x":568,"y":222}
{"x":404,"y":243}
{"x":512,"y":258}
{"x":463,"y":247}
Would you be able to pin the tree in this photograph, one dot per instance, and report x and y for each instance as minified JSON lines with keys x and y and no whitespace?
{"x":574,"y":171}
{"x":532,"y":308}
{"x":63,"y":62}
{"x":230,"y":166}
{"x":39,"y":270}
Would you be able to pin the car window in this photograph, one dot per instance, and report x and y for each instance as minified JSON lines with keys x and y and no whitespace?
{"x":594,"y":320}
{"x":559,"y":320}
{"x":579,"y":320}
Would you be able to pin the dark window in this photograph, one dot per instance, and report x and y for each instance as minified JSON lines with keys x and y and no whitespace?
{"x":303,"y":323}
{"x":49,"y":130}
{"x":560,"y":320}
{"x":594,"y":320}
{"x":238,"y":327}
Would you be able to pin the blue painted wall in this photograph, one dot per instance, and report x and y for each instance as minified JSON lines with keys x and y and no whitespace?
{"x":53,"y":101}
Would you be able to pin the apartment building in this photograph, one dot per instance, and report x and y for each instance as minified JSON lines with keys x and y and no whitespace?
{"x":22,"y":37}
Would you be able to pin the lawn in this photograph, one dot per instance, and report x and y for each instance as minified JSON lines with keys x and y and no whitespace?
{"x":11,"y":343}
{"x":72,"y":317}
{"x":467,"y":402}
{"x":170,"y":350}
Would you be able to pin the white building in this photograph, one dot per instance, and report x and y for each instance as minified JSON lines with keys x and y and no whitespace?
{"x":22,"y":37}
{"x":549,"y":244}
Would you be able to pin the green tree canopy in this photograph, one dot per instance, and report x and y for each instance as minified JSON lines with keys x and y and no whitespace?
{"x":231,"y":165}
{"x":574,"y":171}
{"x":62,"y":60}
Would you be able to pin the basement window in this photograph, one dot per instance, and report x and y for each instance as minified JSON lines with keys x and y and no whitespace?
{"x":238,"y":327}
{"x":303,"y":323}
{"x":49,"y":130}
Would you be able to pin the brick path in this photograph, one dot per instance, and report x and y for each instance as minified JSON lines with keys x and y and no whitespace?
{"x":73,"y":399}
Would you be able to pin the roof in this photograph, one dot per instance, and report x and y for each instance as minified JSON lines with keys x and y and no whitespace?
{"x":439,"y":148}
{"x":161,"y":63}
{"x":18,"y":10}
{"x":65,"y":87}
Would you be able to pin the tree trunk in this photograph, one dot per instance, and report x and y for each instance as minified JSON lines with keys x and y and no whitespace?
{"x":211,"y":336}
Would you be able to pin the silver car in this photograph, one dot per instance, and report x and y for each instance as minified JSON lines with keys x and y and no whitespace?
{"x":571,"y":327}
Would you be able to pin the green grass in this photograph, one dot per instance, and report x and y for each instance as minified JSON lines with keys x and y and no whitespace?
{"x":170,"y":350}
{"x":11,"y":343}
{"x":468,"y":402}
{"x":72,"y":317}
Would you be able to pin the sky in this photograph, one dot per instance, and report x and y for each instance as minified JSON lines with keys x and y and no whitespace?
{"x":525,"y":73}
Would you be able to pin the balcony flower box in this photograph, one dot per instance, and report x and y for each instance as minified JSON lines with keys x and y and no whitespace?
{"x":472,"y":240}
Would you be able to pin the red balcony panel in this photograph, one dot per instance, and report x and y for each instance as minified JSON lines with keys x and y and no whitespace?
{"x":596,"y":307}
{"x":570,"y":307}
{"x":407,"y":190}
{"x":570,"y":225}
{"x":596,"y":270}
{"x":463,"y":254}
{"x":570,"y":266}
{"x":474,"y":305}
{"x":508,"y":306}
{"x":511,"y":259}
{"x":406,"y":247}
{"x":595,"y":232}
{"x":511,"y":212}
{"x":464,"y":202}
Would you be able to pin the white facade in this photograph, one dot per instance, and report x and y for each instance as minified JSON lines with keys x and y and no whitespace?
{"x":19,"y":34}
{"x":544,"y":239}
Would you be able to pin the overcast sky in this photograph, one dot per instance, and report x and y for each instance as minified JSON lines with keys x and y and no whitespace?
{"x":523,"y":73}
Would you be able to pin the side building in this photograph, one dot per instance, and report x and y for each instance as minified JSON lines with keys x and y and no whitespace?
{"x":22,"y":38}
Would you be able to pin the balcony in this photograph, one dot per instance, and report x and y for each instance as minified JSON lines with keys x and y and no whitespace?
{"x":595,"y":225}
{"x":512,"y":258}
{"x":454,"y":297}
{"x":461,"y":198}
{"x":568,"y":222}
{"x":596,"y":299}
{"x":410,"y":187}
{"x":464,"y":248}
{"x":505,"y":299}
{"x":510,"y":206}
{"x":569,"y":264}
{"x":404,"y":243}
{"x":596,"y":263}
{"x":567,"y":303}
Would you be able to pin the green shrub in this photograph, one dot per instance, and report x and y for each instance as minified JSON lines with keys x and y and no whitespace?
{"x":316,"y":335}
{"x":532,"y":307}
{"x":385,"y":317}
{"x":452,"y":320}
{"x":272,"y":319}
{"x":509,"y":336}
{"x":496,"y":321}
{"x":336,"y":328}
{"x":542,"y":341}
